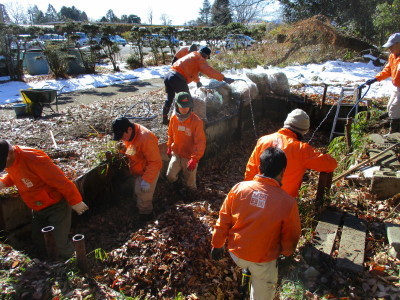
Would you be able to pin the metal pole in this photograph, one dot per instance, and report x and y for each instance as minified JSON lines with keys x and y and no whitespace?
{"x":50,"y":242}
{"x":324,"y":95}
{"x":79,"y":244}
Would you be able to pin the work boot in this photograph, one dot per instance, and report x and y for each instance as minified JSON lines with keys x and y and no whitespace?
{"x":394,"y":125}
{"x":165,"y":120}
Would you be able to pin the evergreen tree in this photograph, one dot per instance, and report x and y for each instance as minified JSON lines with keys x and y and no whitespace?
{"x":221,"y":13}
{"x":111,"y":17}
{"x":205,"y":13}
{"x":51,"y":14}
{"x":72,"y":13}
{"x":35,"y":15}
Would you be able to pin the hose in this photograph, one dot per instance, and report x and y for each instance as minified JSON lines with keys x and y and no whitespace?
{"x":145,"y":108}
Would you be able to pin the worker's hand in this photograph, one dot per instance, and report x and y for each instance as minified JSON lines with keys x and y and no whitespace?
{"x":169,"y":151}
{"x":199,"y":84}
{"x":217,"y":253}
{"x":144,"y":186}
{"x":80,"y":208}
{"x":371,"y":81}
{"x":228,"y":80}
{"x":120,"y":146}
{"x":191,"y":165}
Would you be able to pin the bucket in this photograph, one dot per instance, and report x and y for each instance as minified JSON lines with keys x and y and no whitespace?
{"x":20,"y":109}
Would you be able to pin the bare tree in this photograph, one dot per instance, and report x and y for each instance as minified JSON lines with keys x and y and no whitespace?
{"x":150,"y":16}
{"x":165,"y":19}
{"x":17,"y":12}
{"x":246,"y":11}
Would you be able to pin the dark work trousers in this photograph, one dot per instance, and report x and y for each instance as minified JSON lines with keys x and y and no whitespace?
{"x":59,"y":216}
{"x":394,"y":125}
{"x":174,"y":83}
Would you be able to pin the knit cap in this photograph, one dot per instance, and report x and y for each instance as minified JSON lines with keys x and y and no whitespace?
{"x":298,"y":121}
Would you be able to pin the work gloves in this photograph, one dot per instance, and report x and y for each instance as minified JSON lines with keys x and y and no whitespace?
{"x":169,"y":151}
{"x":371,"y":81}
{"x":144,"y":186}
{"x":228,"y":80}
{"x":199,"y":84}
{"x":80,"y":208}
{"x":217,"y":253}
{"x":191,"y":165}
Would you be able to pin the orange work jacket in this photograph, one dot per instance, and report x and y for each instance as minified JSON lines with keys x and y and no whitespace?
{"x":39,"y":181}
{"x":300,"y":157}
{"x":193,"y":63}
{"x":259,"y":220}
{"x":143,"y":154}
{"x":391,"y":69}
{"x":182,"y":52}
{"x":187,"y":139}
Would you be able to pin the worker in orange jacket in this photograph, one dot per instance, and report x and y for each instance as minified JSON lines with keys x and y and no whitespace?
{"x":140,"y":145}
{"x":300,"y":156}
{"x":45,"y":189}
{"x":186,"y":141}
{"x":260,"y":221}
{"x":183,"y":51}
{"x":186,"y":70}
{"x":391,"y":69}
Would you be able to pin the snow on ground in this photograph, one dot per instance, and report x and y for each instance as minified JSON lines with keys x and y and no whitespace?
{"x":313,"y":76}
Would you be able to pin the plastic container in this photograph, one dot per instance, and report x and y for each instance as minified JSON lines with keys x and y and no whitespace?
{"x":36,"y":63}
{"x":20,"y":109}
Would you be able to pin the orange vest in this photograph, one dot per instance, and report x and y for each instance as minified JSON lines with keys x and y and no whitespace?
{"x":300,"y":157}
{"x":391,"y":69}
{"x":143,"y":154}
{"x":182,"y":52}
{"x":39,"y":181}
{"x":259,"y":220}
{"x":190,"y":65}
{"x":187,"y":139}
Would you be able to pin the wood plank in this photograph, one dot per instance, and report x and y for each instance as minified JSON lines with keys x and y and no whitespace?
{"x":352,"y":245}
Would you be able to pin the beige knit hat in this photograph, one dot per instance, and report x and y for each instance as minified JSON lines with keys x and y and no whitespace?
{"x":298,"y":121}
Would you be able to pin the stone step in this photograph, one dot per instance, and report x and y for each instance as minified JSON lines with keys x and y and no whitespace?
{"x":324,"y":237}
{"x":352,"y":241}
{"x":393,"y":234}
{"x":352,"y":245}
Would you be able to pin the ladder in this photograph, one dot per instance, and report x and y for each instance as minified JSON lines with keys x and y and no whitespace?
{"x":345,"y":91}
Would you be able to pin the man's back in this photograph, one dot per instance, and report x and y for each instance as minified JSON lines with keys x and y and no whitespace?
{"x":300,"y":157}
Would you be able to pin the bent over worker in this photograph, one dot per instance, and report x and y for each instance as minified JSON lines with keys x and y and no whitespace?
{"x":391,"y":69}
{"x":260,"y":221}
{"x":140,"y":145}
{"x":186,"y":70}
{"x":186,"y":141}
{"x":300,"y":156}
{"x":183,"y":51}
{"x":45,"y":189}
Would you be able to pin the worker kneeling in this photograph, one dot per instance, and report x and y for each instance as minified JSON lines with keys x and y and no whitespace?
{"x":186,"y":141}
{"x":260,"y":221}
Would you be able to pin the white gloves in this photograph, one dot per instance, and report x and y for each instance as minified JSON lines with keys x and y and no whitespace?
{"x":144,"y":186}
{"x":80,"y":208}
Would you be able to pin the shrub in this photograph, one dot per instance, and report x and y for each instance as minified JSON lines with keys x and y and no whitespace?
{"x":133,"y":61}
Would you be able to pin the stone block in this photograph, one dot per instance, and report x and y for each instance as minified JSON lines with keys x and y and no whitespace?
{"x":393,"y":235}
{"x":324,"y":238}
{"x":13,"y":213}
{"x":388,"y":159}
{"x":385,"y":184}
{"x":352,"y":245}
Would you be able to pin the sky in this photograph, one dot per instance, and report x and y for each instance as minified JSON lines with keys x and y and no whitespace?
{"x":179,"y":11}
{"x":334,"y":73}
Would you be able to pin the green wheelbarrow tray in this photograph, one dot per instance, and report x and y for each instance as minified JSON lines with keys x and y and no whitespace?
{"x":36,"y":99}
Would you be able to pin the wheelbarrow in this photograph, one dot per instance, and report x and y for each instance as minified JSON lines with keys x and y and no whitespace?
{"x":36,"y":99}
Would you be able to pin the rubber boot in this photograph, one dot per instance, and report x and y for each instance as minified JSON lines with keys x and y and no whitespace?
{"x":394,"y":125}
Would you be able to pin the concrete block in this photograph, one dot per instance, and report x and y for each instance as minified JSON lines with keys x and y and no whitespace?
{"x":393,"y":235}
{"x":13,"y":213}
{"x":385,"y":184}
{"x":352,"y":245}
{"x":324,"y":238}
{"x":388,"y":159}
